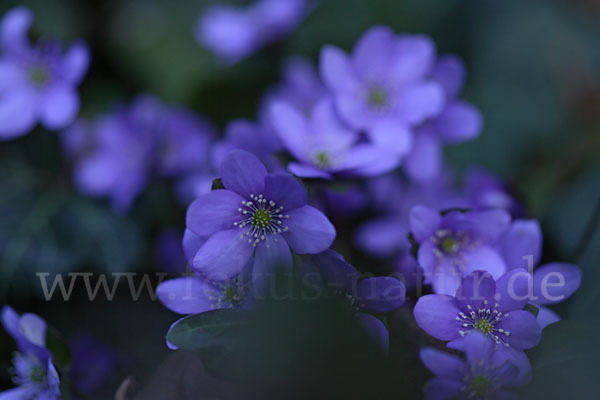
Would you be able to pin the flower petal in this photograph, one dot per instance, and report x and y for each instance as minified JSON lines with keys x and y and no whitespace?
{"x":309,"y":231}
{"x":307,"y":171}
{"x":285,"y":191}
{"x":476,"y":289}
{"x":450,"y":73}
{"x":423,"y":221}
{"x":17,"y":113}
{"x":191,"y":244}
{"x":424,"y":161}
{"x":243,"y":173}
{"x":59,"y":106}
{"x":381,"y":237}
{"x":546,"y":317}
{"x":415,"y":55}
{"x":187,"y":295}
{"x":371,"y":56}
{"x":13,"y":28}
{"x":459,"y":121}
{"x":436,"y":314}
{"x":416,"y":103}
{"x":291,"y":127}
{"x":214,"y":211}
{"x":442,"y":364}
{"x":513,"y":290}
{"x":555,"y":282}
{"x":484,"y":258}
{"x":223,"y":255}
{"x":271,"y":254}
{"x":521,"y":243}
{"x":375,"y":329}
{"x":336,"y":70}
{"x":442,"y":389}
{"x":381,"y":294}
{"x":524,"y":329}
{"x":391,"y":135}
{"x":76,"y":63}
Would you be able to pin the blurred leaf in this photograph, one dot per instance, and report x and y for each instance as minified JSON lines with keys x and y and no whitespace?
{"x":532,"y":309}
{"x":206,"y":330}
{"x":565,"y":363}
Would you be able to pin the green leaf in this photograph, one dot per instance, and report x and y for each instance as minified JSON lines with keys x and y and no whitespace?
{"x":59,"y":349}
{"x":206,"y":330}
{"x":217,"y":184}
{"x":532,"y":309}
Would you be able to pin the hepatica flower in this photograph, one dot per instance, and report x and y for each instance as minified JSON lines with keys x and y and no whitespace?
{"x":482,"y":374}
{"x":457,"y":243}
{"x":234,"y":33}
{"x":491,"y":307}
{"x":365,"y":295}
{"x":37,"y":81}
{"x":382,"y":87}
{"x":259,"y":217}
{"x":34,"y":372}
{"x":323,"y":147}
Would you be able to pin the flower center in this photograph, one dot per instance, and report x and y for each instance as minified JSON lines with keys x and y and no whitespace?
{"x":449,"y":245}
{"x":323,"y":160}
{"x":228,"y":294}
{"x":480,"y":385}
{"x":377,"y":97}
{"x":37,"y":374}
{"x":485,"y":320}
{"x":38,"y":75}
{"x":261,"y":218}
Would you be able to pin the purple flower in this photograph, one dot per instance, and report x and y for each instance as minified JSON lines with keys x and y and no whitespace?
{"x":34,"y":372}
{"x":492,"y":307}
{"x":382,"y":88}
{"x":456,"y":122}
{"x":457,"y":243}
{"x":323,"y":146}
{"x":92,"y":363}
{"x":234,"y":33}
{"x":37,"y":82}
{"x":483,"y":374}
{"x":259,"y":217}
{"x":116,"y":155}
{"x":365,"y":295}
{"x":521,"y":247}
{"x":487,"y":192}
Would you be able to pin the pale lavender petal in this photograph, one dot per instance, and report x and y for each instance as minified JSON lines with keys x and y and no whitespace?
{"x":416,"y":103}
{"x":415,"y":55}
{"x":58,"y":106}
{"x":424,"y":161}
{"x":368,"y":160}
{"x":18,"y":393}
{"x":442,"y":389}
{"x":487,"y":226}
{"x":13,"y":29}
{"x":371,"y":56}
{"x":381,"y":237}
{"x":307,"y":171}
{"x":555,"y":282}
{"x":381,"y":294}
{"x":436,"y":314}
{"x":484,"y":258}
{"x":521,"y":245}
{"x":243,"y":173}
{"x":192,"y":243}
{"x":76,"y":63}
{"x":187,"y":295}
{"x":391,"y":135}
{"x":476,"y":289}
{"x":519,"y":359}
{"x":459,"y":121}
{"x":450,"y":73}
{"x":11,"y":75}
{"x":285,"y":191}
{"x":423,"y":221}
{"x":17,"y":113}
{"x":336,"y":70}
{"x":291,"y":127}
{"x":214,"y":211}
{"x":442,"y":364}
{"x":309,"y":231}
{"x":223,"y":255}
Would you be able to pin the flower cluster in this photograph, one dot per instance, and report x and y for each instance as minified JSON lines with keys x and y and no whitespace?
{"x":116,"y":155}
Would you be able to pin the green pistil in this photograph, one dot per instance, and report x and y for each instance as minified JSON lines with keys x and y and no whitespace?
{"x":323,"y":160}
{"x":37,"y":374}
{"x":377,"y":97}
{"x":480,"y":385}
{"x":261,"y":219}
{"x":483,"y":326}
{"x":38,"y":75}
{"x":449,"y":245}
{"x":230,"y":294}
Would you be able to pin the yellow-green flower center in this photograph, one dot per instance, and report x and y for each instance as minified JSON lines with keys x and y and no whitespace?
{"x":323,"y":160}
{"x":261,"y":219}
{"x":483,"y":326}
{"x":480,"y":385}
{"x":377,"y":97}
{"x":230,"y":294}
{"x":38,"y":75}
{"x":449,"y":245}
